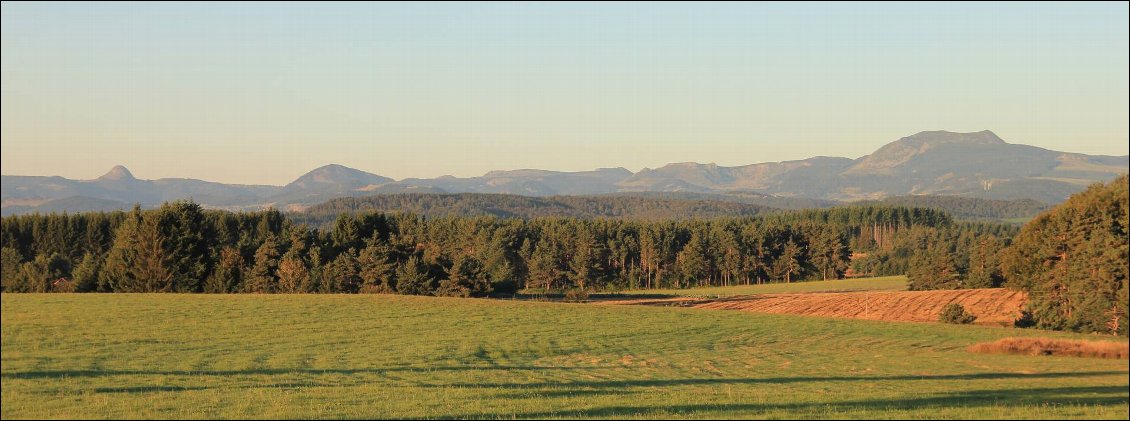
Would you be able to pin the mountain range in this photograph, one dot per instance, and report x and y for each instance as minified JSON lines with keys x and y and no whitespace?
{"x":976,"y":165}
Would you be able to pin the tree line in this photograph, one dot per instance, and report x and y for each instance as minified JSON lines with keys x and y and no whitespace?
{"x":181,"y":247}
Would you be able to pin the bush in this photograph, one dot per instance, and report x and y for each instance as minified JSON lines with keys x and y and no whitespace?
{"x":955,"y":313}
{"x":504,"y":287}
{"x":576,"y":295}
{"x":1026,"y":320}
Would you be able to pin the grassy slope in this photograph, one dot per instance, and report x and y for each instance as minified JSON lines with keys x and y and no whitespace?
{"x":175,"y":356}
{"x":884,"y":283}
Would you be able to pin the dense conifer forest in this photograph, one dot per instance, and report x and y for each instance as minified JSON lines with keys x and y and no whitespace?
{"x":184,"y":248}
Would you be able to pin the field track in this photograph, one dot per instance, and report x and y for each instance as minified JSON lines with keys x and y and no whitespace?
{"x":996,"y":306}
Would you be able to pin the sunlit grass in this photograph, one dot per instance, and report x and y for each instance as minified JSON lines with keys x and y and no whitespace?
{"x":365,"y":356}
{"x":883,"y":283}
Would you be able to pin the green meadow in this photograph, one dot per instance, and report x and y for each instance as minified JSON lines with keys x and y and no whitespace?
{"x":379,"y":356}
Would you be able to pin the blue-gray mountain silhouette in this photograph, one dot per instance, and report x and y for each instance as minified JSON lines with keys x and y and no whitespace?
{"x":978,"y":165}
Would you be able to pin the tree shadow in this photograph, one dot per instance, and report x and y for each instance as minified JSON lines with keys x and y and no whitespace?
{"x":148,"y":389}
{"x":1003,"y":398}
{"x":567,"y":393}
{"x":164,"y":388}
{"x":594,"y":297}
{"x":1083,"y":395}
{"x":619,"y":384}
{"x":60,"y":374}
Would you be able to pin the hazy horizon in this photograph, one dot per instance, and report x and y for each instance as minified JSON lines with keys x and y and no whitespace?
{"x":261,"y":94}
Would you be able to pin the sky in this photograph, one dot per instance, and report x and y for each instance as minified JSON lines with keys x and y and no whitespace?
{"x":262,"y":93}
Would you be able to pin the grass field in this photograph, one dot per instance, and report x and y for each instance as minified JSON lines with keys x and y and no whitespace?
{"x":367,"y":356}
{"x":990,"y":306}
{"x":883,"y":283}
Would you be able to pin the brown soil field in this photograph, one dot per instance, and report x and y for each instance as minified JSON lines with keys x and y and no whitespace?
{"x":995,"y":306}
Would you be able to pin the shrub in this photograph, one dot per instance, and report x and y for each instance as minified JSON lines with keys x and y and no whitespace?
{"x":1025,"y":320}
{"x":955,"y":313}
{"x":576,"y":295}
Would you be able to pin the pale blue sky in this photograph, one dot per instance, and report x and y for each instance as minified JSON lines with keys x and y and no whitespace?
{"x":261,"y":93}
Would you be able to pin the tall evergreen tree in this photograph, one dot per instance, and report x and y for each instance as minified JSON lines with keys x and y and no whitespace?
{"x":138,"y":260}
{"x":695,"y":259}
{"x":85,"y":275}
{"x":377,"y":268}
{"x":10,"y":261}
{"x":342,"y":274}
{"x":467,"y":278}
{"x":934,"y":268}
{"x":412,"y":278}
{"x":228,"y":273}
{"x":263,"y":276}
{"x":788,"y":263}
{"x":586,"y":265}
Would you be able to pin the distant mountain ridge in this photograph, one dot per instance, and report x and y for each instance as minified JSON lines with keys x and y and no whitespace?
{"x":978,"y":164}
{"x":975,"y":165}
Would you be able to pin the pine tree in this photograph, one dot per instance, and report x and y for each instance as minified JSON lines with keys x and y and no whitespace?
{"x":377,"y":268}
{"x":138,"y":260}
{"x":184,"y":234}
{"x":934,"y":268}
{"x":586,"y":264}
{"x":10,"y":261}
{"x":984,"y":264}
{"x":695,"y":259}
{"x":412,"y":278}
{"x":829,"y":254}
{"x":342,"y":274}
{"x":314,"y":278}
{"x":85,"y":275}
{"x":227,"y":274}
{"x":788,"y":263}
{"x":465,"y":279}
{"x":263,"y":277}
{"x":544,"y":266}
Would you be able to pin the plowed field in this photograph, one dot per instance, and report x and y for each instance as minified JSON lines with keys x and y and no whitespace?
{"x":995,"y":306}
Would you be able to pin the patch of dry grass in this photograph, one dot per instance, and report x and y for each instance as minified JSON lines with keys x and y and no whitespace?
{"x":1048,"y":346}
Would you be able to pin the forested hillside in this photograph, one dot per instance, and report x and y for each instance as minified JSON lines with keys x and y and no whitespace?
{"x":966,"y":207}
{"x":648,"y":205}
{"x":526,"y":207}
